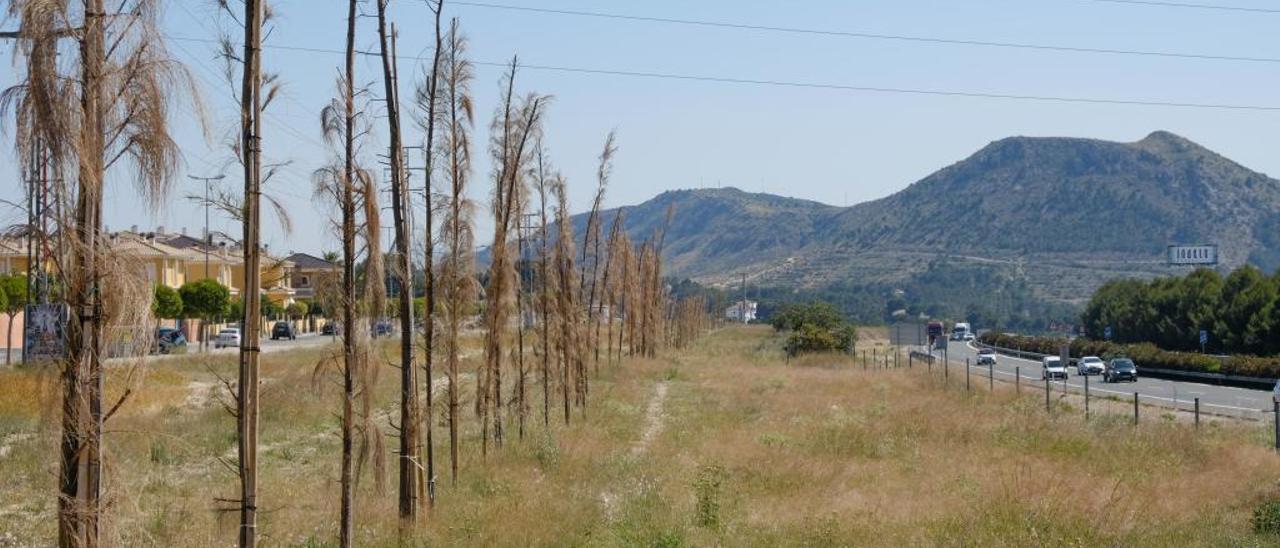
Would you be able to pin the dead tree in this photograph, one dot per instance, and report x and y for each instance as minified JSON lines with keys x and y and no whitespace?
{"x":106,"y":104}
{"x":456,"y":282}
{"x":428,"y":101}
{"x":403,"y":270}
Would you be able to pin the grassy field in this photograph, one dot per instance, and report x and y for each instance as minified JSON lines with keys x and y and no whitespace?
{"x":723,"y":444}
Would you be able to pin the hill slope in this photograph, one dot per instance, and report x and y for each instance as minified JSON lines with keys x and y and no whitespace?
{"x":1055,"y":215}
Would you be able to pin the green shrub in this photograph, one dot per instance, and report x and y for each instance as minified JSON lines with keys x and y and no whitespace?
{"x":707,"y":490}
{"x":815,"y":327}
{"x":1266,"y":518}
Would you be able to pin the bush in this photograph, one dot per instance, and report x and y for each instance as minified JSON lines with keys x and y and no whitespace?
{"x":1266,"y":518}
{"x":706,"y":489}
{"x":816,"y":327}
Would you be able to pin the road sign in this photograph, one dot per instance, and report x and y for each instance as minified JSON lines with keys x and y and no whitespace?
{"x":1204,"y":337}
{"x":1106,"y":332}
{"x":1205,"y":254}
{"x":908,"y":334}
{"x":44,"y":335}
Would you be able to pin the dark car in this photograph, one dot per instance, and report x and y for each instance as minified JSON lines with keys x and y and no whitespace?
{"x":170,"y":341}
{"x":383,"y":327}
{"x":1120,"y":369}
{"x":330,"y":329}
{"x":283,"y":330}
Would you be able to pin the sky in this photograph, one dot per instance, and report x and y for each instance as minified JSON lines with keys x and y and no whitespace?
{"x":830,"y":144}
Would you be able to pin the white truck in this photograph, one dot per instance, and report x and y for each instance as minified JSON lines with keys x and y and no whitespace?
{"x":960,"y":332}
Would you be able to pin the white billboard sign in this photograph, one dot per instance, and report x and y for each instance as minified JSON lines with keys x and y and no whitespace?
{"x":1193,"y":254}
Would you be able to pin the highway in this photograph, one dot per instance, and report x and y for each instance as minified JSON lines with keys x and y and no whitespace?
{"x":1218,"y":400}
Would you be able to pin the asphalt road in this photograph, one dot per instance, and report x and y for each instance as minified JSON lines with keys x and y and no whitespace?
{"x":304,"y":340}
{"x":1221,"y":400}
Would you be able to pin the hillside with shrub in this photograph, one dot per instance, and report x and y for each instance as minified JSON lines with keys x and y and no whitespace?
{"x":1013,"y":235}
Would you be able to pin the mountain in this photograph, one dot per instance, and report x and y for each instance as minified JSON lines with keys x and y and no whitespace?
{"x":714,"y":231}
{"x":1056,"y":216}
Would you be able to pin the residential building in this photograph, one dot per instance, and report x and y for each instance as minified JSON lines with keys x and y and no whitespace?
{"x":310,"y":273}
{"x":741,"y":312}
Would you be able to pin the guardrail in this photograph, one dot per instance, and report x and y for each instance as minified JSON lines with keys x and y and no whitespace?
{"x":1169,"y":374}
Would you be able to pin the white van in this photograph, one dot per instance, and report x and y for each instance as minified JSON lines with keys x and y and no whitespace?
{"x":960,"y":332}
{"x":1053,"y":368}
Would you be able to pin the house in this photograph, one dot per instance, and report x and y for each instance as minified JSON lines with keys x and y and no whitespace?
{"x":310,"y":273}
{"x":741,"y":312}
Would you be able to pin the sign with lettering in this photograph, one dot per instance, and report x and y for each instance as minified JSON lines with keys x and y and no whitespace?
{"x":1193,"y":254}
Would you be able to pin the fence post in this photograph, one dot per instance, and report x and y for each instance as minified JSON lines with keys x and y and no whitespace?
{"x":864,"y":360}
{"x":966,"y":374}
{"x":1086,"y":397}
{"x":1135,"y":408}
{"x":886,"y":361}
{"x":875,"y":355}
{"x":1017,"y":379}
{"x":1047,"y":407}
{"x":896,"y":354}
{"x":1275,"y":412}
{"x":991,"y":376}
{"x":946,"y":371}
{"x":1197,"y":412}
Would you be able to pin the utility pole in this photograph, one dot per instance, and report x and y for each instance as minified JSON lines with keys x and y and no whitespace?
{"x":208,"y":238}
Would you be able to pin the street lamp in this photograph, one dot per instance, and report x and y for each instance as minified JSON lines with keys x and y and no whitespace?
{"x":208,"y":240}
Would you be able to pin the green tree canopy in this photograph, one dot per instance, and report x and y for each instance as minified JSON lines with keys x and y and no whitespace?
{"x":297,"y":309}
{"x":14,"y":287}
{"x":205,"y":299}
{"x":166,"y":303}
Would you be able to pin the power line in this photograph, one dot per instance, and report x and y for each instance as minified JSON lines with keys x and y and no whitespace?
{"x":1156,"y":3}
{"x":843,"y":87}
{"x":874,"y":36}
{"x":909,"y":91}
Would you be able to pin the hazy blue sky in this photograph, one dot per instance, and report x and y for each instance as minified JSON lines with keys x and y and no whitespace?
{"x":834,"y":146}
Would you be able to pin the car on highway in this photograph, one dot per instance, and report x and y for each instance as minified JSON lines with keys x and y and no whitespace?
{"x":1120,"y":369}
{"x":170,"y":341}
{"x":970,"y":336}
{"x":986,"y":356}
{"x":228,"y":337}
{"x":1090,"y":365}
{"x":1053,"y":368}
{"x":283,"y":330}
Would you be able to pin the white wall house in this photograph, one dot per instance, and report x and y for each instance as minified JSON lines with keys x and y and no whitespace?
{"x":741,"y":312}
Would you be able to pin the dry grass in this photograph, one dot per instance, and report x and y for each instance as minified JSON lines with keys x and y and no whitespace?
{"x":751,"y":452}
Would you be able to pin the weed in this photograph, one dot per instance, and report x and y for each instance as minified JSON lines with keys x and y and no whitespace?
{"x":707,"y":491}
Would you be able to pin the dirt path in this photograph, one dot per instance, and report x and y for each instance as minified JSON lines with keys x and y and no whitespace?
{"x":653,"y":419}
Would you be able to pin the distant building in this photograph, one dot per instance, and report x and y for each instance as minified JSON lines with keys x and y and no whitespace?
{"x":741,"y":311}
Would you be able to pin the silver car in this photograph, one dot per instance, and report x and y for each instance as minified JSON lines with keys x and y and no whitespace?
{"x":1090,"y":365}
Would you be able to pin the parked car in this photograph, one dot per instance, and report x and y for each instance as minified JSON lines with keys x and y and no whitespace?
{"x":330,"y":329}
{"x":1053,"y":368}
{"x":228,"y":337}
{"x":383,"y":327}
{"x":283,"y":330}
{"x":1090,"y":365}
{"x":170,"y":341}
{"x":986,"y":356}
{"x":1120,"y":369}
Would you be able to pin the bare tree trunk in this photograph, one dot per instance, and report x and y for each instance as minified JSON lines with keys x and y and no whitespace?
{"x":92,"y":174}
{"x":545,"y":286}
{"x":429,"y":297}
{"x":404,"y":272}
{"x":247,"y":410}
{"x":350,"y":359}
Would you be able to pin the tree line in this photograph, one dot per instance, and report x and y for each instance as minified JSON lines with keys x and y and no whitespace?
{"x":1239,"y":313}
{"x":554,"y":307}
